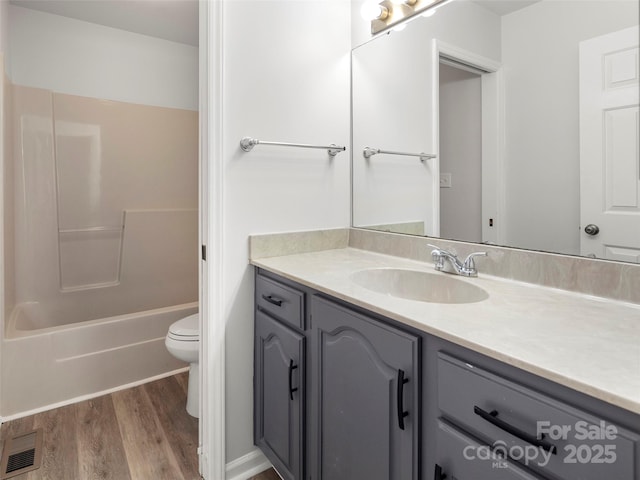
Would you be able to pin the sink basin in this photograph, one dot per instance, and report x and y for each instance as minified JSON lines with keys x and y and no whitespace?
{"x":419,"y":286}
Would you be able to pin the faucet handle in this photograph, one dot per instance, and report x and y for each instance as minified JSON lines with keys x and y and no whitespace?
{"x":469,"y":263}
{"x":438,"y":257}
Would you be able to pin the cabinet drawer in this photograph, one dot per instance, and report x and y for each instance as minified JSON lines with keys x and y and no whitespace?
{"x":462,"y":458}
{"x":512,"y":417}
{"x":283,"y":302}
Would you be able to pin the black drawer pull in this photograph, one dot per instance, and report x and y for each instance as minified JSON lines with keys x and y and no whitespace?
{"x":492,"y":417}
{"x":292,"y":367}
{"x":438,"y":475}
{"x":272,"y":300}
{"x":400,"y":399}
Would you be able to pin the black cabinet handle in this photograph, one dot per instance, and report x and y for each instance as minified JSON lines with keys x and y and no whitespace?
{"x":271,"y":299}
{"x":400,"y":399}
{"x":492,"y":417}
{"x":292,"y":367}
{"x":438,"y":475}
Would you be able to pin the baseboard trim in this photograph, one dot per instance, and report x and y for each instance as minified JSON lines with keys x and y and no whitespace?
{"x":247,"y":466}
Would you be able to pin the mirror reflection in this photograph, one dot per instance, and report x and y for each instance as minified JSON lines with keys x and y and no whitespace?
{"x":530,"y":111}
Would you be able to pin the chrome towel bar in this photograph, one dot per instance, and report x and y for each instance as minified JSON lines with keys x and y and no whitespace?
{"x":247,"y":143}
{"x":370,"y":152}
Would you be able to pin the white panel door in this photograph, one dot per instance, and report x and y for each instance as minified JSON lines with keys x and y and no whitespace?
{"x":609,"y":146}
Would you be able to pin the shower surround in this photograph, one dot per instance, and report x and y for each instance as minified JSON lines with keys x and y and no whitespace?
{"x":101,"y":232}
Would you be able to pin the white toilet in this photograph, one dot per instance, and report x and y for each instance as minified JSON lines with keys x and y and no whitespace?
{"x":183,"y":342}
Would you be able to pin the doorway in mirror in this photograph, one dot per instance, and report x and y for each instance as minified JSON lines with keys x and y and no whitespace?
{"x":460,"y":130}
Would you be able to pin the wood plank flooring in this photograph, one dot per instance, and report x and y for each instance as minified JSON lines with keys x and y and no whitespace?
{"x":267,"y":475}
{"x":143,"y":433}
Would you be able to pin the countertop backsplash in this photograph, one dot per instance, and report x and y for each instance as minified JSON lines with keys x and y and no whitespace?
{"x":601,"y":278}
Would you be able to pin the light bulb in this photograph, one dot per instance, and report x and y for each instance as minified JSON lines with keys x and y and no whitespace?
{"x":371,"y":10}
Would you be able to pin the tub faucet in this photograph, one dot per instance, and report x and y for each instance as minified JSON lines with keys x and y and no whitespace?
{"x":448,"y":262}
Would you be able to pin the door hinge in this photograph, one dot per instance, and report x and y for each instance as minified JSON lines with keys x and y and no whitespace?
{"x":204,"y":252}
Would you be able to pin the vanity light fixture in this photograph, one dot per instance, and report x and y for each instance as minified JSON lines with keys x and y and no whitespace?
{"x":404,"y":2}
{"x":404,"y":9}
{"x":373,"y":11}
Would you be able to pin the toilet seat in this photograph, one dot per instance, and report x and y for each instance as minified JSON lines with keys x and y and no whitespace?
{"x":186,"y":329}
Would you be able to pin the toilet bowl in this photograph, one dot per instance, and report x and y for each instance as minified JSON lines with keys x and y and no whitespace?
{"x":183,"y":342}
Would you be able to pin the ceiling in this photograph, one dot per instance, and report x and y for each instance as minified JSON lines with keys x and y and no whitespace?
{"x":174,"y":20}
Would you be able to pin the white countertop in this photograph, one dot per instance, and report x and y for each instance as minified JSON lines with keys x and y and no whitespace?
{"x":589,"y":344}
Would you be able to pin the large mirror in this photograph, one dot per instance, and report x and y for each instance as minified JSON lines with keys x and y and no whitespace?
{"x":520,"y":121}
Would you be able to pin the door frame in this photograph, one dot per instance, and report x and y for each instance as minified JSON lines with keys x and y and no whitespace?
{"x":493,"y":138}
{"x":212,"y":429}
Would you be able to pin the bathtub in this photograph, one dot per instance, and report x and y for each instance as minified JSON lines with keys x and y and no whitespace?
{"x":48,"y":367}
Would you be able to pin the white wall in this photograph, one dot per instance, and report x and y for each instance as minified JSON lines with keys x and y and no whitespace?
{"x":86,"y":59}
{"x":360,"y":28}
{"x":286,"y":78}
{"x":540,"y":55}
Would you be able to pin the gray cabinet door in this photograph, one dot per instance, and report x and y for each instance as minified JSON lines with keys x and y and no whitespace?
{"x":365,"y":397}
{"x":278,"y":394}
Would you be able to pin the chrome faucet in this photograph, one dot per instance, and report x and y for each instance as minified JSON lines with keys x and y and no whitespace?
{"x":448,"y":262}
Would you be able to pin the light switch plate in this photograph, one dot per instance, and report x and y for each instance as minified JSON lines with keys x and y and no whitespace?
{"x":445,"y":180}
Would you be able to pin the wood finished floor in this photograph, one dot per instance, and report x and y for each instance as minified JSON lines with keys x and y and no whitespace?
{"x":143,"y":433}
{"x":267,"y":475}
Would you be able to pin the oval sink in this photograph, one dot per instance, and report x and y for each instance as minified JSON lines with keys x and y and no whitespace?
{"x":420,"y":286}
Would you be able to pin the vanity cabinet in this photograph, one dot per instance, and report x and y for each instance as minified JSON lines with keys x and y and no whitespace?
{"x":365,"y":402}
{"x":342,"y":393}
{"x":528,"y":428}
{"x":347,"y":408}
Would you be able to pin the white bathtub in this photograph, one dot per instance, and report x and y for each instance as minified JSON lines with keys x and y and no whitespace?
{"x":48,"y":367}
